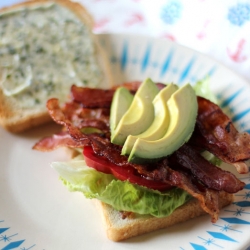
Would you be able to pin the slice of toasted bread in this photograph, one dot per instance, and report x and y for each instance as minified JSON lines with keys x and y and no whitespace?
{"x":47,"y":46}
{"x":119,"y":229}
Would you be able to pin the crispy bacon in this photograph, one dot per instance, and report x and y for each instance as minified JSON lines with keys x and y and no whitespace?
{"x":131,"y":86}
{"x":92,"y":98}
{"x":216,"y":133}
{"x":210,"y":175}
{"x":98,"y":98}
{"x":77,"y":114}
{"x":101,"y":98}
{"x":207,"y":197}
{"x":58,"y":116}
{"x":94,"y":123}
{"x":55,"y":141}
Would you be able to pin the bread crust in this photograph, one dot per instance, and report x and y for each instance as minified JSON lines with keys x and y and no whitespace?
{"x":119,"y":229}
{"x":15,"y":119}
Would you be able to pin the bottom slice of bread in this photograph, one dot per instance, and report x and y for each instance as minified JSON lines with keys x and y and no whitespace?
{"x":119,"y":229}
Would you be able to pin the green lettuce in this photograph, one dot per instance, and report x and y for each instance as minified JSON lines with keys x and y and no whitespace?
{"x":202,"y":88}
{"x":211,"y":158}
{"x":121,"y":195}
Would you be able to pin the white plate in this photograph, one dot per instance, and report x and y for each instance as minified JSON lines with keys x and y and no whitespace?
{"x":38,"y":212}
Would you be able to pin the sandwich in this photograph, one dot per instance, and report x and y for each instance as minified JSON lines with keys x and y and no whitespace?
{"x":46,"y":46}
{"x":123,"y":159}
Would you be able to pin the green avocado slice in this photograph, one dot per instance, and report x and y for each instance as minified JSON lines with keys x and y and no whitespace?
{"x":183,"y":110}
{"x":161,"y":121}
{"x":121,"y":102}
{"x":140,"y":114}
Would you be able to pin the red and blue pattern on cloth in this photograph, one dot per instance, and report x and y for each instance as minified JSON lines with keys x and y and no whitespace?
{"x":220,"y":29}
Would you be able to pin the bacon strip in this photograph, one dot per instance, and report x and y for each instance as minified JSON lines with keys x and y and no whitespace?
{"x":131,"y":86}
{"x":216,"y":133}
{"x":72,"y":138}
{"x":58,"y":116}
{"x":55,"y":141}
{"x":77,"y":114}
{"x":92,"y":98}
{"x":207,"y":198}
{"x":101,"y":98}
{"x":210,"y":175}
{"x":94,"y":123}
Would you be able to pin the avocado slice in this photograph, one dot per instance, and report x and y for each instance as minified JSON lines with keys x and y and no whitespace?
{"x":161,"y":121}
{"x":121,"y":102}
{"x":140,"y":114}
{"x":183,"y":110}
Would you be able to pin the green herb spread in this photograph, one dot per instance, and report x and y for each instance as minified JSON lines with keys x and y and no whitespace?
{"x":43,"y":49}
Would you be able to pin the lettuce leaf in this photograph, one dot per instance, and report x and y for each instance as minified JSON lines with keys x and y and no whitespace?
{"x":202,"y":88}
{"x":121,"y":195}
{"x":211,"y":158}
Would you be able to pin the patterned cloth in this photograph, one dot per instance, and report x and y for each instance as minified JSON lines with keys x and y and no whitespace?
{"x":219,"y":29}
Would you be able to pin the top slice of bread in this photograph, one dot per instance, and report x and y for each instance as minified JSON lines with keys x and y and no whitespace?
{"x":27,"y":108}
{"x":119,"y":229}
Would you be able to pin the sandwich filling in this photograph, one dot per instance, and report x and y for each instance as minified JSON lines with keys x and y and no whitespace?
{"x":183,"y":174}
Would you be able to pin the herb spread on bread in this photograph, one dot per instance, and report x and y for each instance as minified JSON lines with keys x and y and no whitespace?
{"x":45,"y":48}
